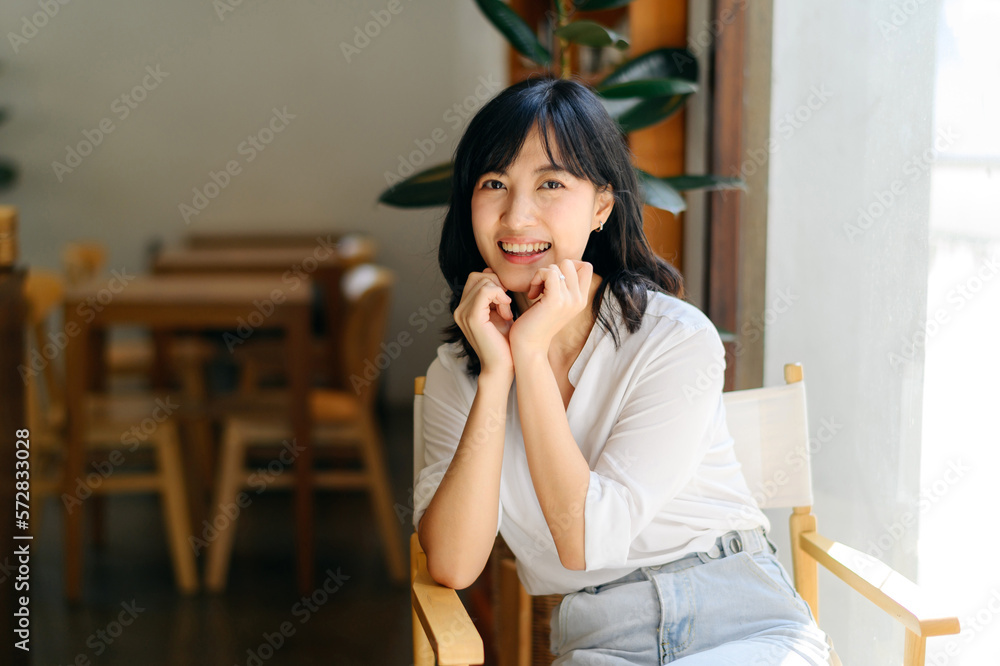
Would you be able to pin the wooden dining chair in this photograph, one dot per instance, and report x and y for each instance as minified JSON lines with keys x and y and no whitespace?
{"x":110,"y":419}
{"x":769,"y":428}
{"x":261,"y":361}
{"x":341,"y":418}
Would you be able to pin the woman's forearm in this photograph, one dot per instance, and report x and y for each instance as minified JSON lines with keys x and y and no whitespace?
{"x":559,"y":472}
{"x":458,"y":529}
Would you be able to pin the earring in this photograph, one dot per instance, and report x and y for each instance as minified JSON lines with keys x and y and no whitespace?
{"x":602,"y":225}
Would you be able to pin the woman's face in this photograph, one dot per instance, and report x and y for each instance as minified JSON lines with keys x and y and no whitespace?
{"x":536,"y":205}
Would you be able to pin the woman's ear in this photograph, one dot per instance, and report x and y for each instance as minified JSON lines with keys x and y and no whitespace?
{"x":604,"y":202}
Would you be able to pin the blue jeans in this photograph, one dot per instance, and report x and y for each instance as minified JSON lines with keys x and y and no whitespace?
{"x":731,"y":605}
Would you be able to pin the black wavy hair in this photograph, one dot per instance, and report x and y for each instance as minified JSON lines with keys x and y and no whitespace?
{"x":591,"y":146}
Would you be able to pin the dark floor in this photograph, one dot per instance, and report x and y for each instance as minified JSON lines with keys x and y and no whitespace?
{"x":366,"y":621}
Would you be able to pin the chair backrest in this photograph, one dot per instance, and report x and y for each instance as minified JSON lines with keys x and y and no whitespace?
{"x":771,"y":436}
{"x":367,"y":292}
{"x":83,"y":261}
{"x":769,"y":429}
{"x":43,"y":291}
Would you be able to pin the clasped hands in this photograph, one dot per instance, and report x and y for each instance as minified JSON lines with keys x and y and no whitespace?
{"x":485,"y":316}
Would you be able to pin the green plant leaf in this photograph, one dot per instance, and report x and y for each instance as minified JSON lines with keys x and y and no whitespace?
{"x":649,"y":112}
{"x":431,"y":187}
{"x":593,"y":34}
{"x":690,"y":183}
{"x":657,"y":64}
{"x":595,"y":5}
{"x":8,"y":174}
{"x":648,"y":88}
{"x":665,"y":192}
{"x":659,"y":194}
{"x":517,"y":32}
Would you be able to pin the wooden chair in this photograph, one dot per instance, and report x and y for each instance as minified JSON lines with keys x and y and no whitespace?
{"x":109,"y":418}
{"x":340,"y":417}
{"x":260,"y":360}
{"x":769,"y":428}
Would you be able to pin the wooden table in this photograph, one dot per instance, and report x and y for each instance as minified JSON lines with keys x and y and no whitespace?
{"x":215,"y":240}
{"x":189,"y":303}
{"x":322,"y":261}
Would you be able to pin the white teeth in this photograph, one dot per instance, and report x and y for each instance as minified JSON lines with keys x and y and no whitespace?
{"x":522,"y":247}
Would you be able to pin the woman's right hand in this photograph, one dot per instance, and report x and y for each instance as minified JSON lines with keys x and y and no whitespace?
{"x":485,"y":317}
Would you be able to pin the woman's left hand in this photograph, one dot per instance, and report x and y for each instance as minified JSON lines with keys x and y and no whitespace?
{"x":559,"y":301}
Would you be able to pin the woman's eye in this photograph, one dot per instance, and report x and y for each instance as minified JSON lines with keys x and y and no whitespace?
{"x":556,"y":183}
{"x":488,"y":184}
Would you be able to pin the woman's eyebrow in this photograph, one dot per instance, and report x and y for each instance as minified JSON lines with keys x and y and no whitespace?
{"x":548,"y":168}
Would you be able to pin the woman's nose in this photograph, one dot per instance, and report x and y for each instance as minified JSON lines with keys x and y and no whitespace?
{"x":520,"y":210}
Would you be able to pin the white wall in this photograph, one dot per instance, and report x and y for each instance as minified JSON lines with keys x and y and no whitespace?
{"x":856,"y":298}
{"x":225,"y":74}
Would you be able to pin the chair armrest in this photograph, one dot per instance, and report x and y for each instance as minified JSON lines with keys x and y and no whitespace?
{"x":446,"y":623}
{"x":887,"y":589}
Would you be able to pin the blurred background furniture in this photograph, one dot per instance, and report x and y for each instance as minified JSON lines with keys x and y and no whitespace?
{"x":769,"y":429}
{"x":190,"y":303}
{"x":342,"y":417}
{"x":105,"y":436}
{"x":321,"y":259}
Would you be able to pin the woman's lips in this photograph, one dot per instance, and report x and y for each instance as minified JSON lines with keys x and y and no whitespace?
{"x":523,"y":258}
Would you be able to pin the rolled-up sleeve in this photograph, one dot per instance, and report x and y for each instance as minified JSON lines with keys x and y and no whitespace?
{"x":656,"y":445}
{"x":446,"y":411}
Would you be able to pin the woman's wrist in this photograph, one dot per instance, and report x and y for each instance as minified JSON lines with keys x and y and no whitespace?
{"x":496,"y":379}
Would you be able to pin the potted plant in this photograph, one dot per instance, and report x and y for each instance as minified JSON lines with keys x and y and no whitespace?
{"x":645,"y":90}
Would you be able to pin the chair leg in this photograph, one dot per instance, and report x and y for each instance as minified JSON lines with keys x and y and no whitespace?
{"x":97,"y":507}
{"x":231,"y":478}
{"x":175,"y":509}
{"x":914,"y":649}
{"x":381,"y":495}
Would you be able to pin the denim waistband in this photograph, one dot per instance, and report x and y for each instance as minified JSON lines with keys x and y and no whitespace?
{"x":751,"y":541}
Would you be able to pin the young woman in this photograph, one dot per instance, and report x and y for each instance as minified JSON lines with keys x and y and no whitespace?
{"x":569,"y":412}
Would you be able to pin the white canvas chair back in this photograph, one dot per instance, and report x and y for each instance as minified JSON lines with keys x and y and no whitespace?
{"x":768,"y":426}
{"x":771,"y":435}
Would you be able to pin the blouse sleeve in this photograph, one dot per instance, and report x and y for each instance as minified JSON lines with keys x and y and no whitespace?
{"x":655,"y":446}
{"x":446,"y":410}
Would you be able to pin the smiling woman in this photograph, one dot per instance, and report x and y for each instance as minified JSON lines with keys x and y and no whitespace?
{"x":611,"y":481}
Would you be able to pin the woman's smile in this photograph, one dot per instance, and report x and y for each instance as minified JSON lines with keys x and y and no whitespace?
{"x":523,"y":252}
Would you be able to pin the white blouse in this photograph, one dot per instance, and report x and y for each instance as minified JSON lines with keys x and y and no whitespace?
{"x":650,"y":420}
